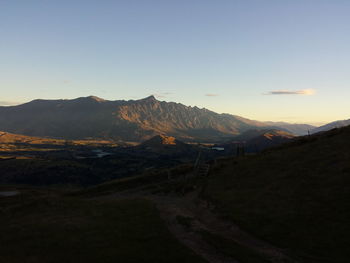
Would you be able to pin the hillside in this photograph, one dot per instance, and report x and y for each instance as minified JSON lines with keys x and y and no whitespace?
{"x":6,"y":138}
{"x":166,"y":145}
{"x":269,"y":139}
{"x":332,"y":125}
{"x":134,"y":120}
{"x":257,"y":140}
{"x":11,"y":138}
{"x":287,"y":204}
{"x":44,"y":225}
{"x":296,"y":129}
{"x":296,"y":196}
{"x":266,"y":133}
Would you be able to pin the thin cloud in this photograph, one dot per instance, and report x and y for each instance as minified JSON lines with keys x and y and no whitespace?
{"x":159,"y":96}
{"x":211,"y":95}
{"x":162,"y":95}
{"x":306,"y":92}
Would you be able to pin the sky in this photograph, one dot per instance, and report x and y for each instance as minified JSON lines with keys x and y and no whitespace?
{"x":267,"y":60}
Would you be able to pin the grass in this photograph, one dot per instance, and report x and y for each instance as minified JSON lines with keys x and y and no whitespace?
{"x":41,"y":226}
{"x":296,"y":197}
{"x":232,"y":249}
{"x":185,"y":221}
{"x":46,"y":172}
{"x":148,"y":180}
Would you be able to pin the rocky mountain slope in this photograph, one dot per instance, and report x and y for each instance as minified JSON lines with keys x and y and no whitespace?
{"x":134,"y":120}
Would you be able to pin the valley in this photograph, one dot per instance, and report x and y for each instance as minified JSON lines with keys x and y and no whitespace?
{"x":47,"y":161}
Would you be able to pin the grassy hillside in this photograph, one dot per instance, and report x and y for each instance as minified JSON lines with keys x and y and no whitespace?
{"x":296,"y":196}
{"x":44,"y":226}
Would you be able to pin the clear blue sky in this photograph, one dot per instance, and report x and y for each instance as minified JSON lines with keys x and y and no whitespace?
{"x":266,"y":59}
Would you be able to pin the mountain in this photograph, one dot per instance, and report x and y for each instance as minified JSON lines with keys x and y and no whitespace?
{"x":266,"y":133}
{"x":330,"y":126}
{"x":258,"y":139}
{"x":295,"y":128}
{"x":269,"y":139}
{"x":161,"y":141}
{"x":133,"y":120}
{"x":162,"y":144}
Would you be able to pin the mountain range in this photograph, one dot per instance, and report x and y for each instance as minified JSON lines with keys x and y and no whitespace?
{"x":133,"y":120}
{"x":330,"y":126}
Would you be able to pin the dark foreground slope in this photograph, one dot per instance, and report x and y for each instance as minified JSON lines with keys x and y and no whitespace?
{"x":44,"y":226}
{"x":296,"y":196}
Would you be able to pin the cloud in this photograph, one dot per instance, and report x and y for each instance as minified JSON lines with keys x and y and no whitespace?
{"x":211,"y":95}
{"x":307,"y":92}
{"x":162,"y":94}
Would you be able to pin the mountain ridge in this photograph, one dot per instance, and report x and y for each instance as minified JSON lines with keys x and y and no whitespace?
{"x":331,"y":125}
{"x":132,"y":120}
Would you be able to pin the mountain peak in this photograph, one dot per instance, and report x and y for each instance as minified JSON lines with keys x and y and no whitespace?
{"x":95,"y":98}
{"x":167,"y":140}
{"x":159,"y":140}
{"x":149,"y":98}
{"x":165,"y":145}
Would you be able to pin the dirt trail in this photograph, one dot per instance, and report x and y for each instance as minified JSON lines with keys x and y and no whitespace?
{"x":170,"y":209}
{"x":201,"y":215}
{"x":202,"y":218}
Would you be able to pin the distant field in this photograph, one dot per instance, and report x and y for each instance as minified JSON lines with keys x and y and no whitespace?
{"x":15,"y":145}
{"x":43,"y":226}
{"x":43,"y":161}
{"x":9,"y":138}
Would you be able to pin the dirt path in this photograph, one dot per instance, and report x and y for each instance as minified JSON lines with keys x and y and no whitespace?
{"x":201,"y":217}
{"x":173,"y":207}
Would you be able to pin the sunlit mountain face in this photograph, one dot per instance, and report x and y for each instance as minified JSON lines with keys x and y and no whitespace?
{"x":133,"y":120}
